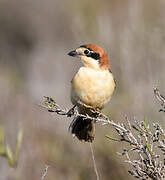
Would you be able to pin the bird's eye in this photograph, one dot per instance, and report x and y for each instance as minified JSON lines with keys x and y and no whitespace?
{"x":86,"y":52}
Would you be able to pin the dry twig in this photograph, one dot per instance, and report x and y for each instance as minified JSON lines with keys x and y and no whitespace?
{"x":160,"y":98}
{"x":45,"y":172}
{"x":144,"y":144}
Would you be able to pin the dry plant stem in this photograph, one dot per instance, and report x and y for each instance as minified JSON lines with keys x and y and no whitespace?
{"x":142,"y":143}
{"x":94,"y":162}
{"x":45,"y":172}
{"x":160,"y":98}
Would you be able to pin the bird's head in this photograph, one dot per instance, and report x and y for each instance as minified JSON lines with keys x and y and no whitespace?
{"x":92,"y":56}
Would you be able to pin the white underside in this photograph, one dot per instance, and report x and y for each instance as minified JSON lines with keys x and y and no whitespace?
{"x":92,"y":87}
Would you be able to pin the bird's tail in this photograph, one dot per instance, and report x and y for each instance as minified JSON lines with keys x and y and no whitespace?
{"x":83,"y":129}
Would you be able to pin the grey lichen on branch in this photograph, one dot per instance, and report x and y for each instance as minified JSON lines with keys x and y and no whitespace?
{"x":144,"y":148}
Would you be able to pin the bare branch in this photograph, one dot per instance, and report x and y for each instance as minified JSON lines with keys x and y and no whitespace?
{"x":94,"y":162}
{"x":45,"y":172}
{"x":160,"y":98}
{"x":142,"y":143}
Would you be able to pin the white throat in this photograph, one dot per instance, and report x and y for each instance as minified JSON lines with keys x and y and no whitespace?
{"x":90,"y":62}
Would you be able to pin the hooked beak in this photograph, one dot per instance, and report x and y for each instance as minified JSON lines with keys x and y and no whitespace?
{"x":73,"y":53}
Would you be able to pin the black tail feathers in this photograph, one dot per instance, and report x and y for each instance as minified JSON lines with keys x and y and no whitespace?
{"x":83,"y":129}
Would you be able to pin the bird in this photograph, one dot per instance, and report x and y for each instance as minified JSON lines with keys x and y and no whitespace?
{"x":93,"y":86}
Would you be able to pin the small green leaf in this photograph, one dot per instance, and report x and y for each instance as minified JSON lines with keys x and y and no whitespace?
{"x":149,"y":148}
{"x":52,"y":99}
{"x":10,"y":155}
{"x":2,"y":150}
{"x":18,"y":144}
{"x":1,"y":135}
{"x":144,"y":123}
{"x":88,"y":106}
{"x":51,"y":105}
{"x":113,"y":139}
{"x":19,"y":138}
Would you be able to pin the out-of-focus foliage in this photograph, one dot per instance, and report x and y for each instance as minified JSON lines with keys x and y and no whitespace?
{"x":5,"y":149}
{"x":35,"y":37}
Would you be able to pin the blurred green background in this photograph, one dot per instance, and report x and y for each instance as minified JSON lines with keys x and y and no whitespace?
{"x":35,"y":37}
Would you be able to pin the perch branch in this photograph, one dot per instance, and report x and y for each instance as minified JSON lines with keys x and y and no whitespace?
{"x":142,"y":143}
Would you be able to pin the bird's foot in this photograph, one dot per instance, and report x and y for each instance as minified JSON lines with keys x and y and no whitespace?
{"x":71,"y":111}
